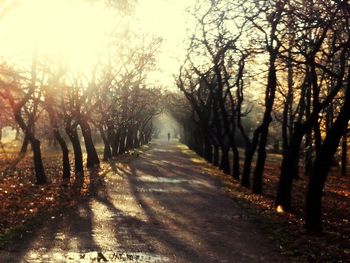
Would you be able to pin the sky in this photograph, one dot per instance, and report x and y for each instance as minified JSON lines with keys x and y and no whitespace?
{"x":78,"y":32}
{"x":169,"y":20}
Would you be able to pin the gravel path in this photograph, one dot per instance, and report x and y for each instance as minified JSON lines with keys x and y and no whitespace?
{"x":160,"y":207}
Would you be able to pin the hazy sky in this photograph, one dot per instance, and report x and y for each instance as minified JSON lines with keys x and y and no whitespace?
{"x":168,"y":19}
{"x":79,"y":32}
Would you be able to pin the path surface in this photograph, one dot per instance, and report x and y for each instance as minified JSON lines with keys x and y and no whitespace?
{"x":160,"y":207}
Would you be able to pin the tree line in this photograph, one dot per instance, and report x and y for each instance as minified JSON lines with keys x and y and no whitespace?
{"x":112,"y":103}
{"x":251,"y":64}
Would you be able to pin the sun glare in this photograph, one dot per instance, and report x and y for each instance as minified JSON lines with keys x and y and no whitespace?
{"x":169,"y":20}
{"x":80,"y":33}
{"x":70,"y":31}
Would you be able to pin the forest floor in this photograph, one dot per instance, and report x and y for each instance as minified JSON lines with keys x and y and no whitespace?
{"x":166,"y":205}
{"x":161,"y":206}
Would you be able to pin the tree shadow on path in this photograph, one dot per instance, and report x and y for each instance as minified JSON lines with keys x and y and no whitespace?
{"x":159,"y":207}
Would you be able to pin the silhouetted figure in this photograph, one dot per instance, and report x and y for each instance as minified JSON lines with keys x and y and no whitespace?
{"x":168,"y":136}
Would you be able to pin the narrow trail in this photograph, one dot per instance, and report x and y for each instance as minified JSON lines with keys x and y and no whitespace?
{"x":160,"y":207}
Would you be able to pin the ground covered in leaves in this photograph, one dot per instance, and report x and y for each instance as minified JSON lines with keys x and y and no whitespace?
{"x":23,"y":202}
{"x":332,"y":246}
{"x":158,"y":207}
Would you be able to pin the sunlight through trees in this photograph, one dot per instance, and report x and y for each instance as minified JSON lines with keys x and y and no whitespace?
{"x":247,"y":85}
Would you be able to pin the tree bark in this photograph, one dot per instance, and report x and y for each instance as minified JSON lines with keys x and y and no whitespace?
{"x":58,"y":138}
{"x":107,"y":153}
{"x":216,"y":155}
{"x":38,"y":163}
{"x":35,"y":144}
{"x":289,"y":168}
{"x":225,"y":162}
{"x":269,"y":101}
{"x":308,"y":154}
{"x":129,"y":139}
{"x":250,"y":148}
{"x":344,"y":153}
{"x":149,"y":134}
{"x":121,"y":149}
{"x":24,"y":146}
{"x":115,"y":138}
{"x":208,"y":149}
{"x":142,"y":138}
{"x":92,"y":156}
{"x":136,"y":138}
{"x":235,"y":166}
{"x":321,"y":167}
{"x":260,"y":163}
{"x":65,"y":153}
{"x":198,"y":142}
{"x":72,"y":133}
{"x":248,"y":158}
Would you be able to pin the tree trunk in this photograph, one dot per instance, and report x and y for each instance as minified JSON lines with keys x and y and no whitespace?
{"x":136,"y":139}
{"x":344,"y":154}
{"x":308,"y":135}
{"x":289,"y":168}
{"x":107,"y":153}
{"x":129,"y":139}
{"x":260,"y":163}
{"x":317,"y":135}
{"x":190,"y":138}
{"x":148,"y":136}
{"x":198,"y":142}
{"x":308,"y":154}
{"x":285,"y":140}
{"x":225,"y":162}
{"x":149,"y":133}
{"x":92,"y":156}
{"x":38,"y":162}
{"x":235,"y":166}
{"x":115,"y":138}
{"x":57,"y":138}
{"x":24,"y":146}
{"x":288,"y":104}
{"x":65,"y":153}
{"x":235,"y":155}
{"x":216,"y":155}
{"x":121,"y":149}
{"x":321,"y":167}
{"x":72,"y":133}
{"x":208,"y":150}
{"x":141,"y":137}
{"x":248,"y":157}
{"x":269,"y":101}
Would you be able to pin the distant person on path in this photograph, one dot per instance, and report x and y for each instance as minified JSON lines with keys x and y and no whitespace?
{"x":168,"y":136}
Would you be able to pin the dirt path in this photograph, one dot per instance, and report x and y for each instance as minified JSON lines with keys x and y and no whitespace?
{"x":160,"y":207}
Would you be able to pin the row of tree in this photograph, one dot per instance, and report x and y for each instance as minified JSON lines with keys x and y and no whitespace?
{"x":260,"y":62}
{"x":112,"y":102}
